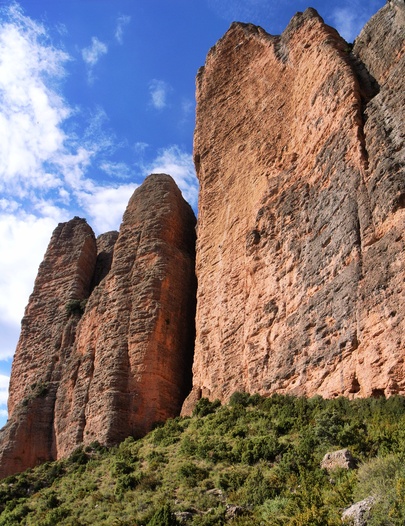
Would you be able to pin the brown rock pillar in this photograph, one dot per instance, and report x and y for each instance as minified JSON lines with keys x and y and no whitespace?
{"x":47,"y":336}
{"x":132,"y":362}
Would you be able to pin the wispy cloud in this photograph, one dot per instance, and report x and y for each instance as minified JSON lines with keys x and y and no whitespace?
{"x":104,"y":206}
{"x":179,"y":164}
{"x":30,"y":111}
{"x":159,"y":90}
{"x":350,"y":17}
{"x":117,"y":170}
{"x":122,"y":22}
{"x":4,"y":381}
{"x":91,"y":56}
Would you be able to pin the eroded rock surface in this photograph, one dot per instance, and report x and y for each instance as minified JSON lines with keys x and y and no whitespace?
{"x":300,"y":255}
{"x":47,"y":336}
{"x":107,"y":338}
{"x":341,"y":459}
{"x":131,"y":366}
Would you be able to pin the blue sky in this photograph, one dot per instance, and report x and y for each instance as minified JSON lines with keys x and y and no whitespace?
{"x":94,"y":96}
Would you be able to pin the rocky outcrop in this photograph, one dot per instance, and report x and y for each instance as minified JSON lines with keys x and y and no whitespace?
{"x":299,"y":152}
{"x":359,"y":513}
{"x":341,"y":459}
{"x":107,"y":337}
{"x":105,"y":251}
{"x":132,"y":362}
{"x":48,"y":332}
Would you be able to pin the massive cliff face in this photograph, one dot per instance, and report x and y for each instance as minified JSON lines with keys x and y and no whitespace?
{"x":300,"y":254}
{"x":107,"y":338}
{"x":299,"y":149}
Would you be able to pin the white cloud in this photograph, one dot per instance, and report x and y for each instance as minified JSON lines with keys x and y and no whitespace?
{"x":122,"y":21}
{"x":179,"y":164}
{"x":159,"y":91}
{"x":140,"y":147}
{"x":30,"y":111}
{"x":347,"y":23}
{"x":92,"y":54}
{"x":350,"y":19}
{"x":23,"y":241}
{"x":4,"y":381}
{"x":106,"y":205}
{"x":116,"y":170}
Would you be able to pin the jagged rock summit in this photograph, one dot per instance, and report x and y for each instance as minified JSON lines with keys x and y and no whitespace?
{"x":299,"y":150}
{"x":107,"y":338}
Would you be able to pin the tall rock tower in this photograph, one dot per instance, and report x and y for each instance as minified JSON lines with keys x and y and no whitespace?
{"x":299,"y":150}
{"x":107,"y":338}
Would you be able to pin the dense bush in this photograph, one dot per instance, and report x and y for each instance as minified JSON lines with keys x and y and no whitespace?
{"x":261,"y":455}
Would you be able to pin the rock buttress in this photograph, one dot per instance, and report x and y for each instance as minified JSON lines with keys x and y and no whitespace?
{"x":47,"y":336}
{"x":300,"y":249}
{"x":131,"y":366}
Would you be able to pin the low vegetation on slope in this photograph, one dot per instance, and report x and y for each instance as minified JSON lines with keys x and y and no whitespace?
{"x":255,"y":461}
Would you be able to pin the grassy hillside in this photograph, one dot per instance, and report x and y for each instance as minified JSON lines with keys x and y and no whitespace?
{"x":254,"y":461}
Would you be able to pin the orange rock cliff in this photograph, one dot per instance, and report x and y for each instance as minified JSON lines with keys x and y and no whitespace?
{"x":107,"y":338}
{"x":299,"y":151}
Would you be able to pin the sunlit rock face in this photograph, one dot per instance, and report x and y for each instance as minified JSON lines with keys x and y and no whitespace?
{"x":300,"y":255}
{"x":132,"y":362}
{"x":107,"y":338}
{"x":48,"y":333}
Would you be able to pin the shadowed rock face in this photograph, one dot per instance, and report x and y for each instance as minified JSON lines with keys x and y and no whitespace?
{"x":299,"y":151}
{"x":113,"y":365}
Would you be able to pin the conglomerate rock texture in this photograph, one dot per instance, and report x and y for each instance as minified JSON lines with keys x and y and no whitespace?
{"x":299,"y":150}
{"x":132,"y":362}
{"x":107,"y":338}
{"x":47,"y":336}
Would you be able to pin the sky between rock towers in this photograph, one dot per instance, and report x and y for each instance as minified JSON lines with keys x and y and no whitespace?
{"x":94,"y":96}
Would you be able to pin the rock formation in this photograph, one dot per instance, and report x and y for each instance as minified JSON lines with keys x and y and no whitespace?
{"x":107,"y":338}
{"x":299,"y":149}
{"x":300,"y":255}
{"x":132,"y":362}
{"x":47,"y":336}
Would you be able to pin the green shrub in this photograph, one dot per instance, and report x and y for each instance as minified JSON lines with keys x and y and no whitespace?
{"x":204,"y":407}
{"x":164,"y":517}
{"x":14,"y":513}
{"x":256,"y":489}
{"x":239,"y":398}
{"x":262,"y":454}
{"x":79,"y":457}
{"x":192,"y":474}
